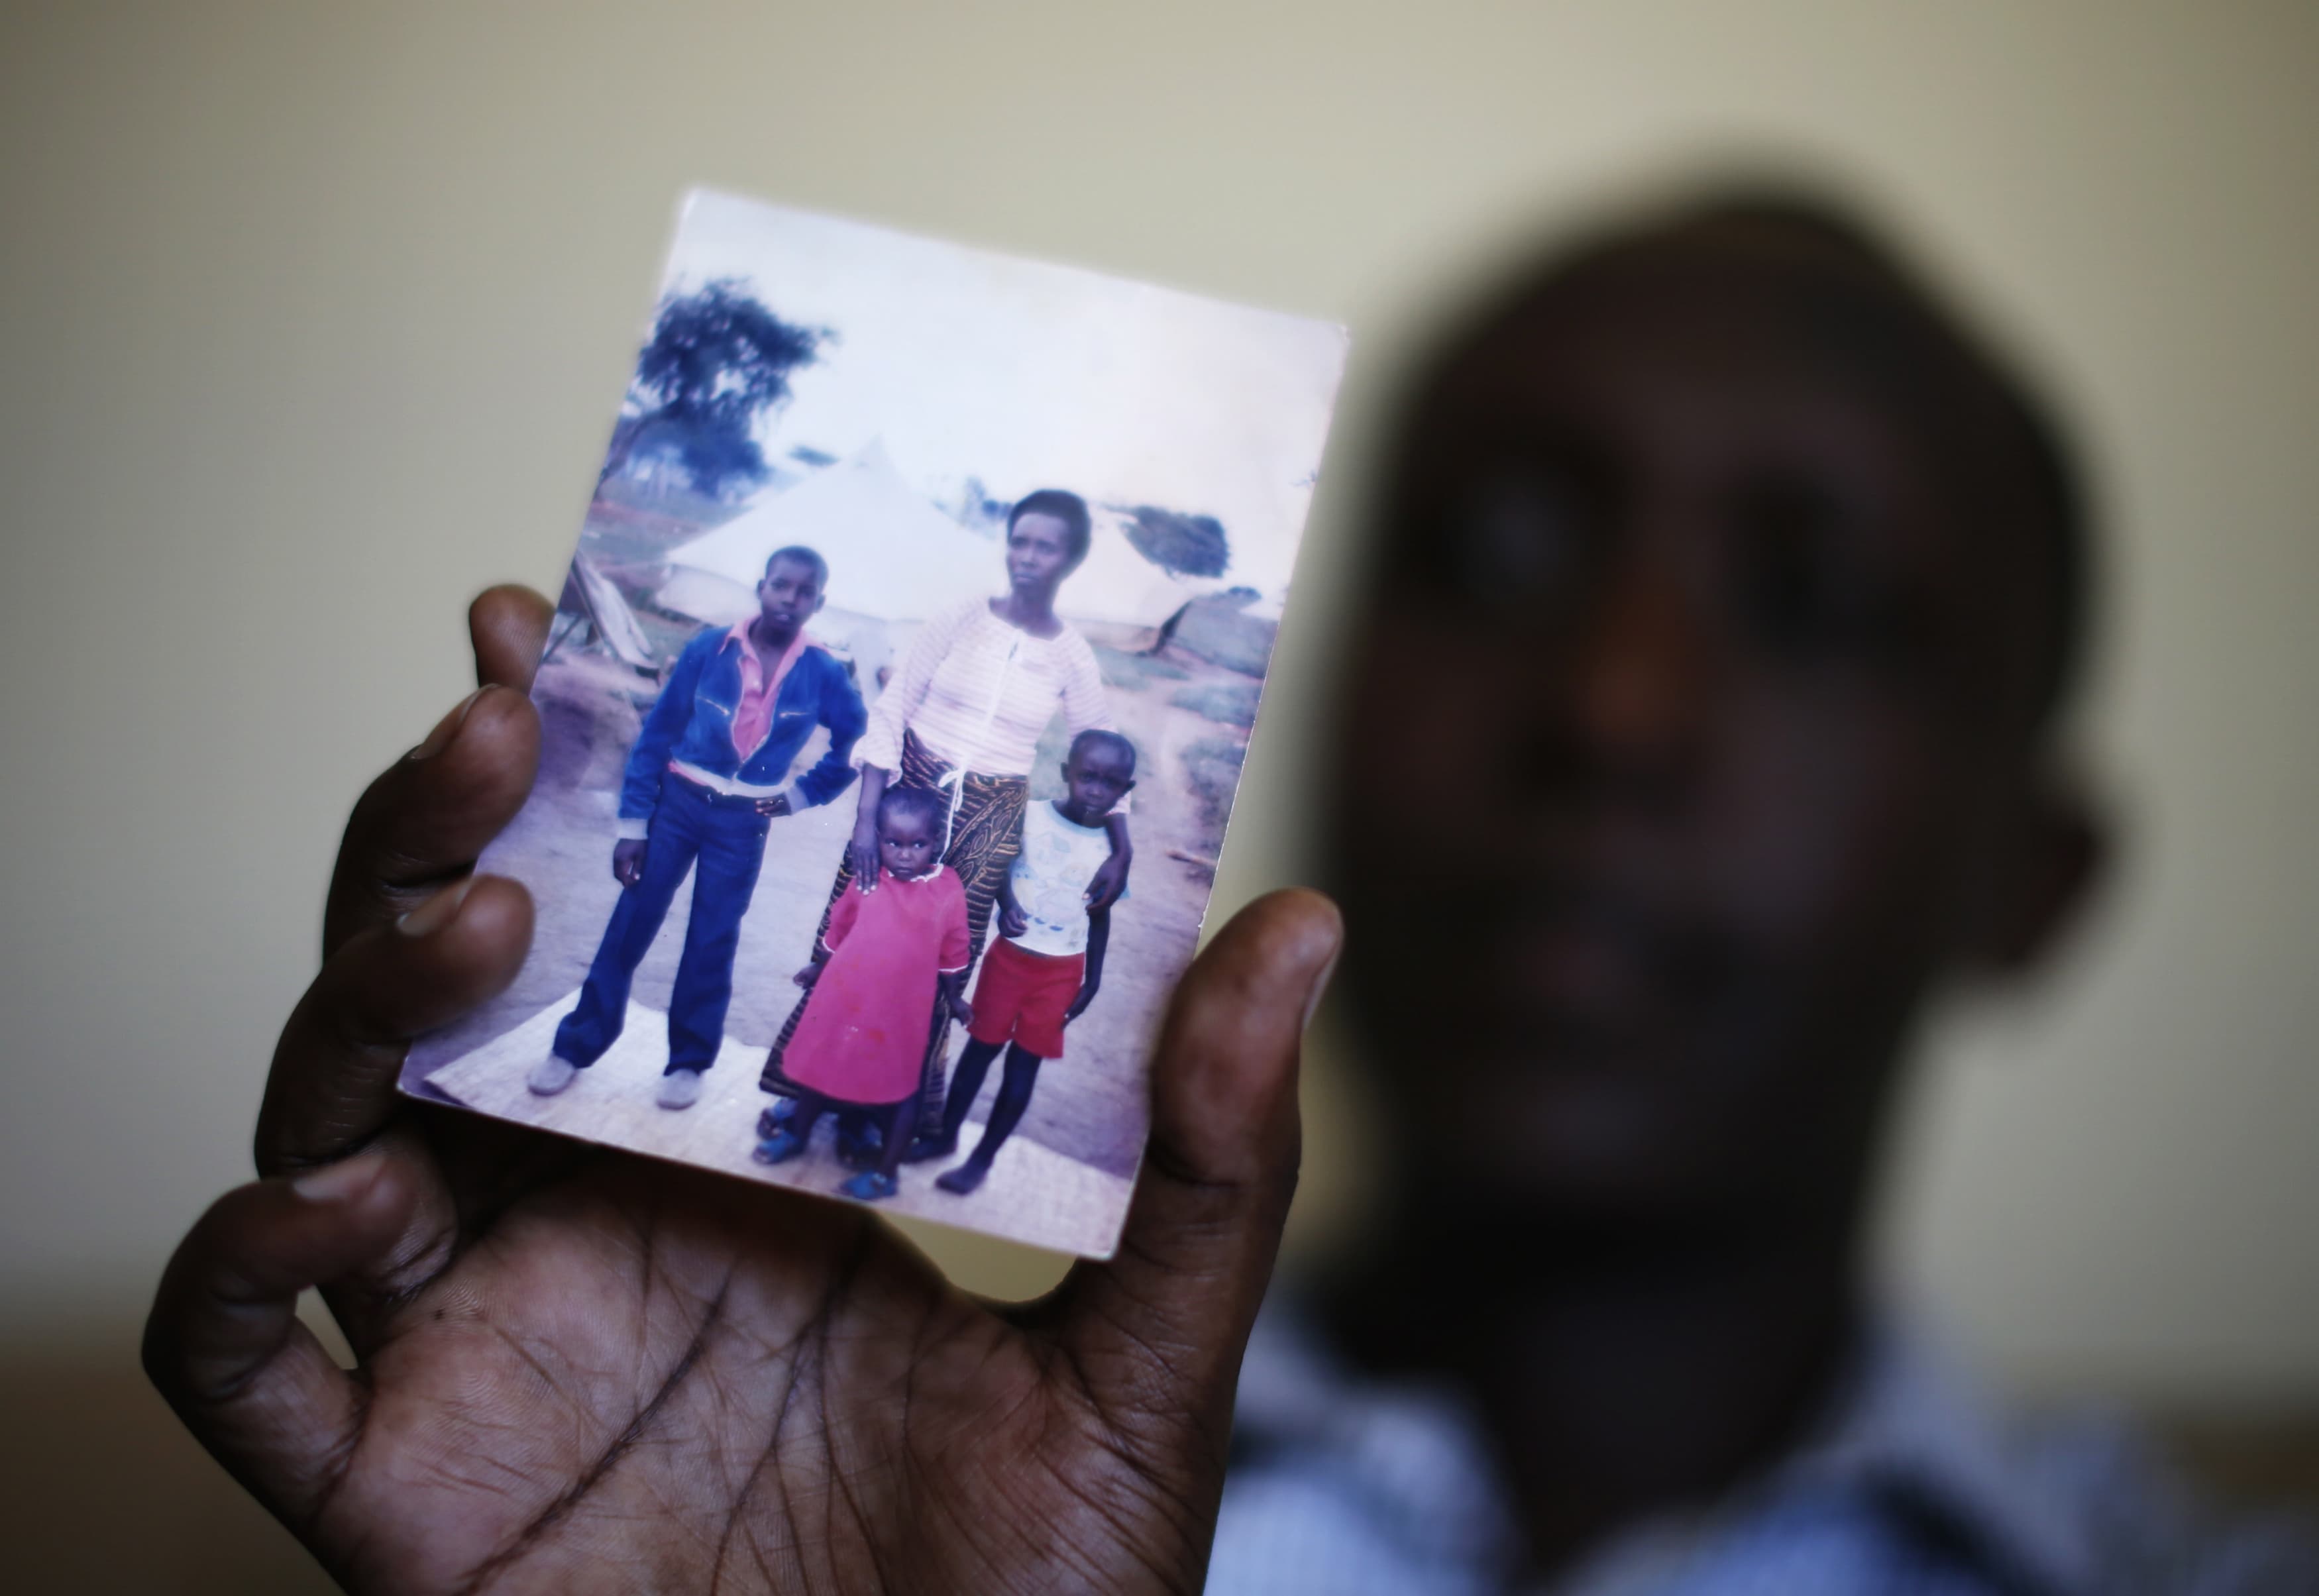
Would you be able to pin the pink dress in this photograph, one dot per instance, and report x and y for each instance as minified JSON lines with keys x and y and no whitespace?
{"x":862,"y":1038}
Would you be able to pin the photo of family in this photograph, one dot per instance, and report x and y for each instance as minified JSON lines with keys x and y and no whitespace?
{"x":892,"y":718}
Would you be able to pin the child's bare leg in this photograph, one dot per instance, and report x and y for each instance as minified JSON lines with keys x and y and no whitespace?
{"x":1014,"y":1088}
{"x":810,"y":1107}
{"x":901,"y":1120}
{"x":965,"y":1085}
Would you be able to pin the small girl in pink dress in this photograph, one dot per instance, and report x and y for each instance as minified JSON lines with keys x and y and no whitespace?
{"x":890,"y":950}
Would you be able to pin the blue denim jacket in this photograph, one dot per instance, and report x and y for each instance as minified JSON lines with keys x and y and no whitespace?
{"x":693,"y":722}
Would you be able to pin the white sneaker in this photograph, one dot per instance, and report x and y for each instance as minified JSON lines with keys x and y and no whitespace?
{"x":678,"y":1088}
{"x":551,"y":1075}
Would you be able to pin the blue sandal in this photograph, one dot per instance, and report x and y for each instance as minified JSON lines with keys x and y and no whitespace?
{"x":778,"y":1148}
{"x":870,"y":1187}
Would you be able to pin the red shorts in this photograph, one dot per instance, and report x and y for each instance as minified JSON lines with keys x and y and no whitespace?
{"x":1019,"y":997}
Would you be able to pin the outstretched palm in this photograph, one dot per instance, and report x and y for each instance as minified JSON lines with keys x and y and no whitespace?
{"x":578,"y":1371}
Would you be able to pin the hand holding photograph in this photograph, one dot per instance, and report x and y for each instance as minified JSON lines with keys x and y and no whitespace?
{"x":919,"y":622}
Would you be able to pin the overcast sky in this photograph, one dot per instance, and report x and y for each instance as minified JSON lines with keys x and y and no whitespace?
{"x":1032,"y":375}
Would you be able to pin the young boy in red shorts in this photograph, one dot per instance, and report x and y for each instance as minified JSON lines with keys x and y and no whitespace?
{"x":1046,"y":963}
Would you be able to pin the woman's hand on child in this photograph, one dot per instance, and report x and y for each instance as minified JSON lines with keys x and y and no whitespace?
{"x":580,"y":1370}
{"x":1109,"y":880}
{"x":862,"y":855}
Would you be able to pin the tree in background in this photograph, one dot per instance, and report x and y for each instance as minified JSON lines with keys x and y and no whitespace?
{"x":1178,"y":544}
{"x":717,"y":358}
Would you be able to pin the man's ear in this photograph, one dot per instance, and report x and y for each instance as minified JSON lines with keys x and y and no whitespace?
{"x":2049,"y":870}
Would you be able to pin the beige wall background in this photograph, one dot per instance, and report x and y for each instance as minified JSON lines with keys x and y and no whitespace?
{"x":311,"y":320}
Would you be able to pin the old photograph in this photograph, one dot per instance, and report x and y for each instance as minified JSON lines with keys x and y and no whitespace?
{"x":892,"y":718}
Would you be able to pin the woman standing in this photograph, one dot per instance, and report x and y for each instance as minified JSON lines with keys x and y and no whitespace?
{"x":963,"y":716}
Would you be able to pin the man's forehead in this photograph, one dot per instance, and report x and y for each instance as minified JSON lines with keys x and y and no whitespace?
{"x":1683,"y":350}
{"x":1715,"y":327}
{"x":1661,"y":394}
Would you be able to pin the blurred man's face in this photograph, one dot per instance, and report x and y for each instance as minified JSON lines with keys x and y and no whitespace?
{"x":1688,"y":702}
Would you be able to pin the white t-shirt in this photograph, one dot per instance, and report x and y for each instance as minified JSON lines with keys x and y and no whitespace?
{"x":1051,"y":877}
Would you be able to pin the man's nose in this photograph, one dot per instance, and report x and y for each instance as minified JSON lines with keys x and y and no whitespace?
{"x":1637,"y":679}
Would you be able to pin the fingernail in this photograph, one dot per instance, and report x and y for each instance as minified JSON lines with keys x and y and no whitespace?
{"x":336,"y":1183}
{"x":1321,"y":986}
{"x":438,"y":911}
{"x":447,"y":728}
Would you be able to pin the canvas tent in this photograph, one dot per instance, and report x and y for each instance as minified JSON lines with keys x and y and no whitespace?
{"x":891,"y":554}
{"x":1116,"y":583}
{"x":591,"y":600}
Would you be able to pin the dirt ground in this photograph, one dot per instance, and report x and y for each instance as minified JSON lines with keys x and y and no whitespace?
{"x":1091,"y":1104}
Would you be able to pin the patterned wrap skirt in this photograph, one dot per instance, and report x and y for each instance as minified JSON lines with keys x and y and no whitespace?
{"x":986,"y":834}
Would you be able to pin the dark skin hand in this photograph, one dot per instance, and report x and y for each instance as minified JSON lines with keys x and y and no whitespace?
{"x":1110,"y":877}
{"x":861,"y":852}
{"x":582,"y":1372}
{"x":1012,"y":921}
{"x":628,"y":861}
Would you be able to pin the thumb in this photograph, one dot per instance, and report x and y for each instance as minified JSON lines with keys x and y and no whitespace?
{"x":223,"y":1342}
{"x":1157,"y":1333}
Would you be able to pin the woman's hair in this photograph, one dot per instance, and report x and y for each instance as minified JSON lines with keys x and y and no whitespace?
{"x":923,"y":802}
{"x":1067,"y":508}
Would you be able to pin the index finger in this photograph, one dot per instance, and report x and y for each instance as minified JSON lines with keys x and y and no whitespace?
{"x":415,"y":832}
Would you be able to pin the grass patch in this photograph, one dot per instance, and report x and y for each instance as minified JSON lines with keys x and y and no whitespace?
{"x":1211,"y":766}
{"x":1215,"y":629}
{"x":1133,"y":672}
{"x":1227,"y":703}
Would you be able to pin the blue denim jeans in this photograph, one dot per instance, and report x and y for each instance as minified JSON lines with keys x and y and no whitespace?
{"x":721,"y":842}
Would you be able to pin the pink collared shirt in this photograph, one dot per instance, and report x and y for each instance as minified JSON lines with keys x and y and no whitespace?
{"x":752,"y":716}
